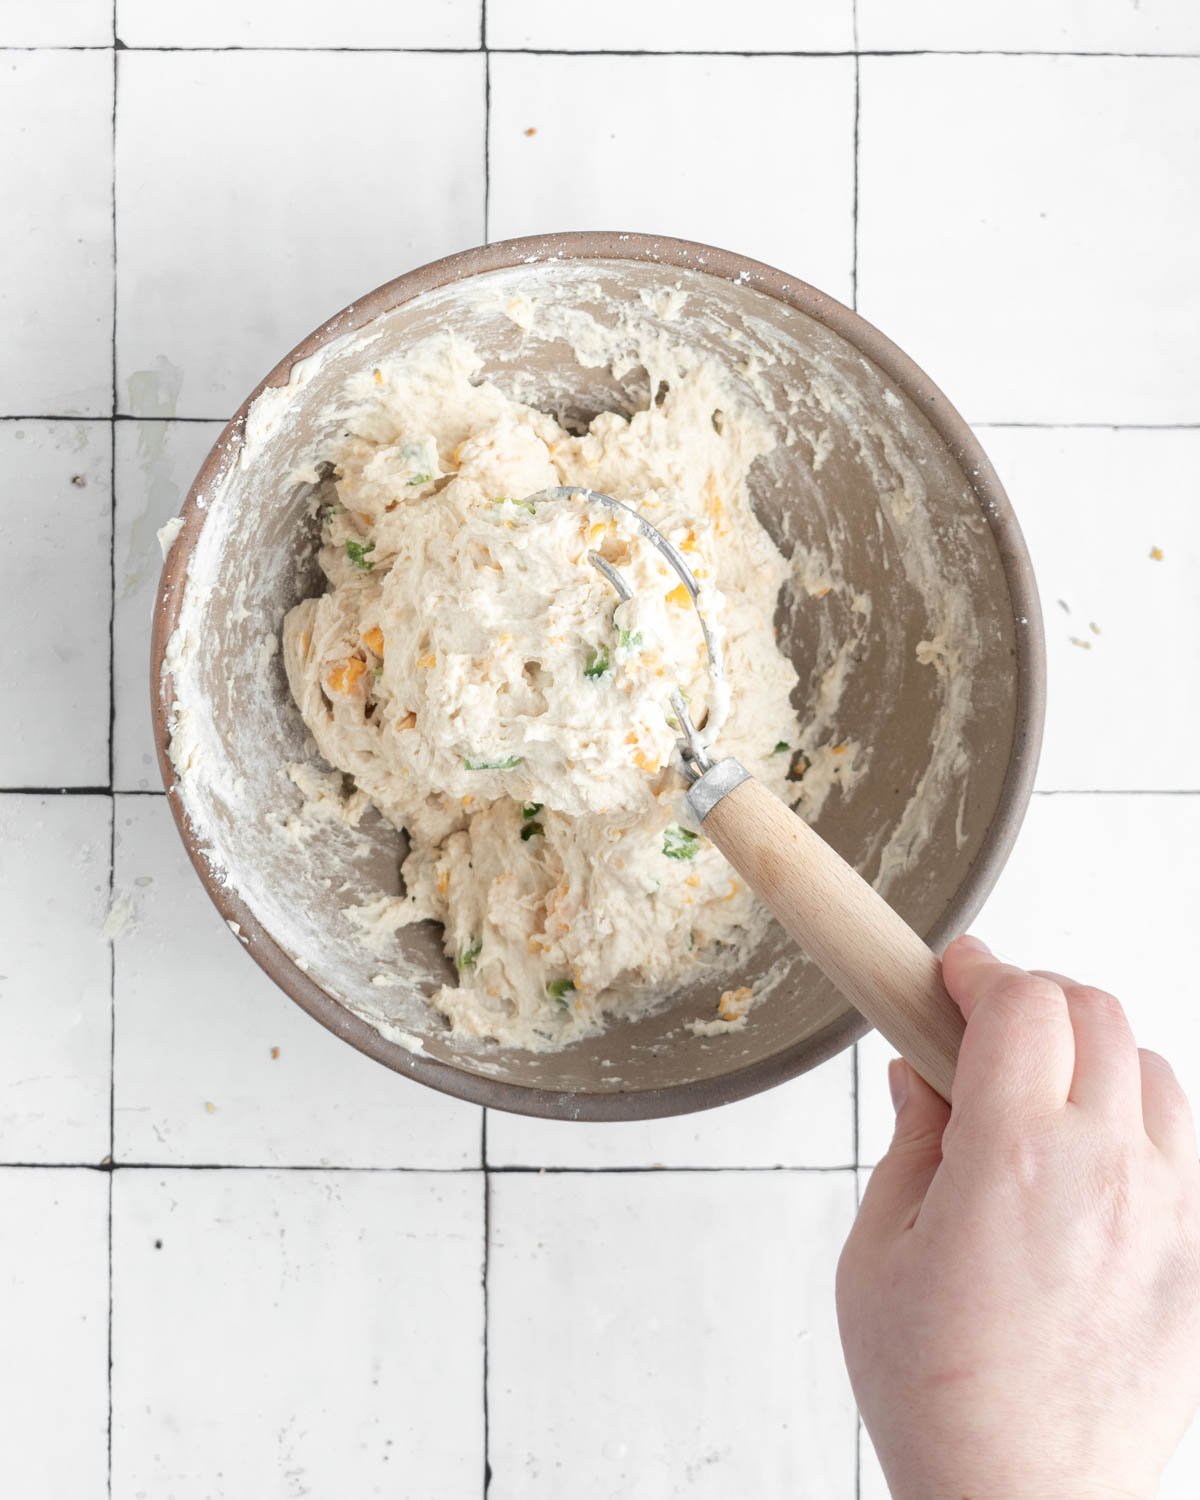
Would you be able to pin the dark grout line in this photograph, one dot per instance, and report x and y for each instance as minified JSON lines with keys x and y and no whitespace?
{"x":854,"y":242}
{"x":56,"y":791}
{"x":111,"y":1167}
{"x":132,"y":416}
{"x":112,"y":456}
{"x":857,"y":1417}
{"x":109,"y":1474}
{"x":854,"y":1088}
{"x":112,"y":723}
{"x":977,"y":423}
{"x":487,"y":1264}
{"x":487,"y":145}
{"x":854,"y":299}
{"x":661,"y":1170}
{"x":483,"y":25}
{"x":854,"y":200}
{"x":487,"y":1251}
{"x":898,"y":52}
{"x":80,"y":791}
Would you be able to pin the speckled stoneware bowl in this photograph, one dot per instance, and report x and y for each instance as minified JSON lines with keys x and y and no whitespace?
{"x":876,"y":489}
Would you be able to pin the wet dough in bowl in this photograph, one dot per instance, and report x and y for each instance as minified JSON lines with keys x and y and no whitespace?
{"x":489,"y":694}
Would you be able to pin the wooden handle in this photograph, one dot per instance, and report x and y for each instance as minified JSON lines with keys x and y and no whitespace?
{"x":876,"y":960}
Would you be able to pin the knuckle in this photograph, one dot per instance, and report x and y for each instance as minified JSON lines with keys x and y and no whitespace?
{"x":1099,"y":1002}
{"x":1157,"y":1068}
{"x":1024,"y":997}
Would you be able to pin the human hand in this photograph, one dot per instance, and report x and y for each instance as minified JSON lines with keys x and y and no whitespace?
{"x":1019,"y":1299}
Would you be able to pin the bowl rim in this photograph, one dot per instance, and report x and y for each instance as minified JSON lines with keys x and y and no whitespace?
{"x":964,"y":448}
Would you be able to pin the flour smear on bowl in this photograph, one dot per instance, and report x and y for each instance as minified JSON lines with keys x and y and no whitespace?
{"x":489,"y":693}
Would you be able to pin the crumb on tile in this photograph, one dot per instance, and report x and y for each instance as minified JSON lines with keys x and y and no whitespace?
{"x":1078,"y":641}
{"x":1093,"y":627}
{"x":274,"y":1054}
{"x":1156,"y":554}
{"x":531,"y":130}
{"x":1064,"y":606}
{"x":209,"y":1107}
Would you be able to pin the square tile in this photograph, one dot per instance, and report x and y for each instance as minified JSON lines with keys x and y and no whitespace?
{"x":1029,"y":229}
{"x":56,"y":254}
{"x":1122,"y":625}
{"x":1029,"y":25}
{"x":806,"y":1123}
{"x":297,"y":1333}
{"x":685,"y":1336}
{"x":241,"y":228}
{"x":155,"y":465}
{"x":690,"y":157}
{"x":65,"y":23}
{"x":1102,"y":888}
{"x":55,"y":1008}
{"x":197,"y":1027}
{"x":299,"y":23}
{"x":672,"y":26}
{"x":55,"y":525}
{"x":54,"y":1329}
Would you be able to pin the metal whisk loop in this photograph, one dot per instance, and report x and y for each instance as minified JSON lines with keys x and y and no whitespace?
{"x":692,"y":746}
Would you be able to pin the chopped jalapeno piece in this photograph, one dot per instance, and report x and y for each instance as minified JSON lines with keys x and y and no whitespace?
{"x":357,"y":553}
{"x":630,"y":639}
{"x":558,"y":990}
{"x":780,"y":747}
{"x":680,"y":843}
{"x":506,"y":764}
{"x":597,"y":663}
{"x":466,"y":959}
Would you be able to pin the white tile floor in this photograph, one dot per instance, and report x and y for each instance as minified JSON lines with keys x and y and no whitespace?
{"x":312,"y":1280}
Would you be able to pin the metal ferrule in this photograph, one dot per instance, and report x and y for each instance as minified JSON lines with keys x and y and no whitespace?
{"x":716,"y":783}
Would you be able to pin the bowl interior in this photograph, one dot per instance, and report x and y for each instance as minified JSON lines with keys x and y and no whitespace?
{"x":898,"y":616}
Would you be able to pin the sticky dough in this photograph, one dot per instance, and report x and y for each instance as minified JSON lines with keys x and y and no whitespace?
{"x":489,"y":694}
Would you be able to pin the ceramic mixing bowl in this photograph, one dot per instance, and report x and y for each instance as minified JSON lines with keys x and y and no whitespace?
{"x":911,"y":605}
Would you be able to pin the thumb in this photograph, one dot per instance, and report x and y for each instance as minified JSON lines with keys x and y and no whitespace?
{"x":899,"y":1183}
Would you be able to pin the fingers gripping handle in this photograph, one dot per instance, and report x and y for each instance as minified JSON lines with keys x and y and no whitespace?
{"x":876,"y":960}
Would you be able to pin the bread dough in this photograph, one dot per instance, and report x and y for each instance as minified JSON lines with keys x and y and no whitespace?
{"x":487,"y":691}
